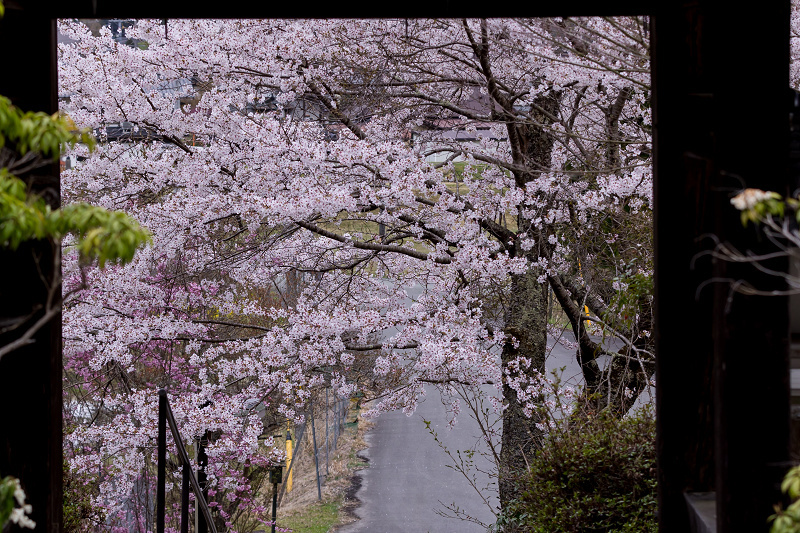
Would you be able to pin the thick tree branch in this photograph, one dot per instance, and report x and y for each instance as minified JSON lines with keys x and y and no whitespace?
{"x":588,"y":349}
{"x":371,"y":246}
{"x":341,"y":117}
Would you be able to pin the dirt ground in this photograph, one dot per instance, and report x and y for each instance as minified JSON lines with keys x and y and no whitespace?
{"x":338,"y":478}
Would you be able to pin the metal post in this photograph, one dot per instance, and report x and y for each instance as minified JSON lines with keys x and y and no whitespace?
{"x":162,"y":461}
{"x":342,"y":415}
{"x":316,"y":452}
{"x":335,"y":423}
{"x":274,"y":505}
{"x":185,"y":499}
{"x":197,"y":474}
{"x":184,"y":459}
{"x":327,"y":444}
{"x":202,"y":479}
{"x":275,"y":476}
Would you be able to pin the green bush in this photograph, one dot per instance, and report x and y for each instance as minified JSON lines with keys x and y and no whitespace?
{"x":79,"y":513}
{"x":595,"y":473}
{"x":788,"y":520}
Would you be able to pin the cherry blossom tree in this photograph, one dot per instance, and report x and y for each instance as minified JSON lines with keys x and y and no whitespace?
{"x":298,"y":176}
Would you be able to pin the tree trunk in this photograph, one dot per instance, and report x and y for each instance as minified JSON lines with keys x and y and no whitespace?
{"x":526,"y":309}
{"x":526,"y":323}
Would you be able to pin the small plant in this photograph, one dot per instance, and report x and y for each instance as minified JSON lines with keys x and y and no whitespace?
{"x":788,"y":520}
{"x":13,"y":508}
{"x":594,"y":473}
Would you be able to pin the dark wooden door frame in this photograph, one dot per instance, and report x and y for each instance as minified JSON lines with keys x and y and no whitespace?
{"x":720,"y":78}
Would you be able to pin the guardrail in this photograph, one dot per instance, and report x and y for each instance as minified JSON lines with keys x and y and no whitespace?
{"x":165,"y":417}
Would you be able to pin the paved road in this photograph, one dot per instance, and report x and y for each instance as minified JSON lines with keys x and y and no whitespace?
{"x":408,"y":481}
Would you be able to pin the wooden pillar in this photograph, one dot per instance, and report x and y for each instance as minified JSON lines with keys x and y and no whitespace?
{"x":720,"y":124}
{"x":683,"y":174}
{"x":751,"y":356}
{"x":30,"y":378}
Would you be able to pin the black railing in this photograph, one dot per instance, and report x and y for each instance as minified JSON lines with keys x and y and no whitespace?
{"x":165,"y":417}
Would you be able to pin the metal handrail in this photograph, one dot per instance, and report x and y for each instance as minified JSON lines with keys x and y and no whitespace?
{"x":165,"y":417}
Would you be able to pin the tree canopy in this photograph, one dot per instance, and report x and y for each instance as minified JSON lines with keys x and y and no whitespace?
{"x":298,"y":176}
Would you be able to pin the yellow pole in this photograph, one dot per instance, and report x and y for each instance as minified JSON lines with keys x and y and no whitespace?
{"x":288,"y":457}
{"x":585,"y":307}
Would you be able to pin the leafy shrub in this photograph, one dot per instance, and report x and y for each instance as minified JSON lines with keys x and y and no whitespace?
{"x":595,"y":473}
{"x":79,"y":514}
{"x":788,"y":520}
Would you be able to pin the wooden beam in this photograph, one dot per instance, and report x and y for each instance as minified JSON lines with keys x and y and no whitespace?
{"x":30,"y":378}
{"x":751,"y":359}
{"x":355,"y":9}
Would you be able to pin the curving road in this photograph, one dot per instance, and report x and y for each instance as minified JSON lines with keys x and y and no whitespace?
{"x":408,"y":482}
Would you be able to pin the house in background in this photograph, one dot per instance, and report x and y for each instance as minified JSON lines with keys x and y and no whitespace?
{"x":444,"y":137}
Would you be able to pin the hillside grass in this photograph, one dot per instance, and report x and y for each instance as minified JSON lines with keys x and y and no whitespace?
{"x":318,"y":517}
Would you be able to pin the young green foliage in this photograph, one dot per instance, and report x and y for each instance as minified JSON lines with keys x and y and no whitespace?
{"x":756,"y":205}
{"x":37,"y":132}
{"x":13,"y":508}
{"x":102,"y":235}
{"x":7,"y":487}
{"x":788,"y":520}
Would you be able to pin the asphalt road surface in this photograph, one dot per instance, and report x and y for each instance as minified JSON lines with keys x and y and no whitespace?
{"x":408,"y":481}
